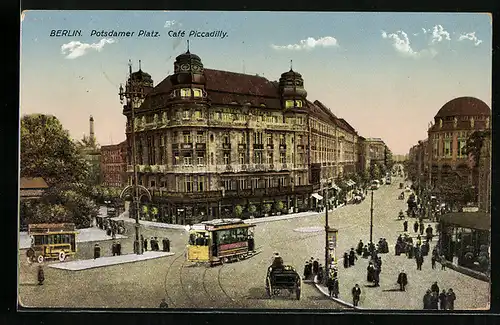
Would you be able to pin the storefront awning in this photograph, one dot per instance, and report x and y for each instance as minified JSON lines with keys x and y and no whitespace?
{"x":349,"y":182}
{"x":353,"y":182}
{"x":335,"y":187}
{"x":317,"y":196}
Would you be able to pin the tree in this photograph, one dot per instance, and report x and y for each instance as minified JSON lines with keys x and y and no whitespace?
{"x":47,"y":151}
{"x":280,"y":206}
{"x":475,"y":144}
{"x":375,"y":171}
{"x":252,"y":209}
{"x":238,"y":210}
{"x":267,"y":208}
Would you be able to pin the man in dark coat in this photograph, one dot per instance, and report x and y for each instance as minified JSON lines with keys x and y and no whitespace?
{"x":450,"y":299}
{"x":421,"y":226}
{"x":277,"y":261}
{"x":442,"y":300}
{"x":163,"y":304}
{"x":427,"y":300}
{"x":405,"y":226}
{"x":145,"y":244}
{"x":433,"y":261}
{"x":346,"y":260}
{"x":429,"y":232}
{"x":402,"y":280}
{"x":41,"y":275}
{"x":352,"y":257}
{"x":435,"y":287}
{"x":114,"y":251}
{"x":307,"y":270}
{"x":434,"y":300}
{"x":359,"y":249}
{"x":370,"y":271}
{"x":415,"y":226}
{"x":420,"y":260}
{"x":97,"y":251}
{"x":315,"y":267}
{"x":356,"y":293}
{"x":376,"y":277}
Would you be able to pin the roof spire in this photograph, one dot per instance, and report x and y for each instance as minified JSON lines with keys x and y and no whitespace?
{"x":139,"y":64}
{"x":291,"y":65}
{"x":188,"y":46}
{"x":129,"y":66}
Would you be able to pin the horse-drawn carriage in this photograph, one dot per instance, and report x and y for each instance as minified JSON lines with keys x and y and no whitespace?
{"x":283,"y":279}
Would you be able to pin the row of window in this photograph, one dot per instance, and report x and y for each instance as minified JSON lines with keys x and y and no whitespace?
{"x":447,"y":149}
{"x":188,"y":160}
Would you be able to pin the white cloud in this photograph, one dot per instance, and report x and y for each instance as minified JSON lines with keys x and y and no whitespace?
{"x":471,"y":37}
{"x":171,"y":23}
{"x":439,"y":34}
{"x":424,"y":30}
{"x":401,"y":44}
{"x":309,"y":44}
{"x":75,"y":49}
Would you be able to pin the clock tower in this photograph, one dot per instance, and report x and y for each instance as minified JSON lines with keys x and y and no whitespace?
{"x":291,"y":85}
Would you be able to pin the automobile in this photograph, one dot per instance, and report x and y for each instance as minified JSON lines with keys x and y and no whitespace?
{"x":375,"y":185}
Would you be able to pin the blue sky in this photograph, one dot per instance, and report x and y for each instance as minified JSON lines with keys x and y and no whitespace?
{"x":387,"y":74}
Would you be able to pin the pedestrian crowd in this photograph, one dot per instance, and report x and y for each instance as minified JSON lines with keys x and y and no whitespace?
{"x":154,"y":244}
{"x":433,"y":299}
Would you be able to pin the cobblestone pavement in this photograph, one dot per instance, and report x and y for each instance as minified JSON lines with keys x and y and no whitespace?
{"x":233,"y":285}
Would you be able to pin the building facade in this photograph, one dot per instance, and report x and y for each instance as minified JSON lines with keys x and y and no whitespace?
{"x":484,"y":182}
{"x":114,"y":165}
{"x":447,"y":137}
{"x":212,"y":144}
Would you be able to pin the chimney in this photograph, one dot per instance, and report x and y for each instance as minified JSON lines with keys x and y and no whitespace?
{"x":91,"y":122}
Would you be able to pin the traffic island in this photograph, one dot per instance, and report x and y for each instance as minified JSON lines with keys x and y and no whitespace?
{"x":108,"y":261}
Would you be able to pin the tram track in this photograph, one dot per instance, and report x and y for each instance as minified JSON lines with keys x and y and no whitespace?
{"x":192,"y":302}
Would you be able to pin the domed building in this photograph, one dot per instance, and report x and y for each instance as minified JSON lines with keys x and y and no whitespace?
{"x":216,"y":144}
{"x":448,"y":161}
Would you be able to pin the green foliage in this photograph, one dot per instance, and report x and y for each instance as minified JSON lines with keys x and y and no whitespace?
{"x":47,"y":151}
{"x":375,"y":172}
{"x":280,"y":206}
{"x":238,"y":210}
{"x":267,"y":208}
{"x":252,"y":209}
{"x":475,"y":144}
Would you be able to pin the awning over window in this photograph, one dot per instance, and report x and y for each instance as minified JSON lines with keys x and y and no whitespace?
{"x":349,"y":182}
{"x":352,"y":182}
{"x":335,"y":187}
{"x":317,"y":196}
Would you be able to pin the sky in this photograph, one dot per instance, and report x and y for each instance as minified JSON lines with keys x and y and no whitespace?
{"x":387,"y":74}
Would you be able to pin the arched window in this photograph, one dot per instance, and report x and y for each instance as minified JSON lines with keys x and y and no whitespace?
{"x":197,"y":93}
{"x":289,"y":104}
{"x":298,"y":103}
{"x":185,"y":92}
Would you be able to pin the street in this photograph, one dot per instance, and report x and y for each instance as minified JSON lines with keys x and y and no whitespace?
{"x":242,"y":284}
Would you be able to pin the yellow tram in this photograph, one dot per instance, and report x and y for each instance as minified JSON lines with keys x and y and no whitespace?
{"x":220,"y":241}
{"x":51,"y":241}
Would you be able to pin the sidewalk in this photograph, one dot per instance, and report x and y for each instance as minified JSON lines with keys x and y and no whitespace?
{"x":84,"y":235}
{"x":80,"y":265}
{"x":124,"y":216}
{"x":388,"y":296}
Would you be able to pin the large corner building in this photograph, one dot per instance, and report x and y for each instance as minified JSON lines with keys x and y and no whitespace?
{"x":210,"y":143}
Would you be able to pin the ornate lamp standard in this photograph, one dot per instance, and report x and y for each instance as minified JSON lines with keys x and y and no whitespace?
{"x":133,"y":96}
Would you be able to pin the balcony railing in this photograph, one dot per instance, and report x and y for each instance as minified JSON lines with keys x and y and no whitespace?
{"x":258,"y":146}
{"x":226,"y":146}
{"x":242,"y":146}
{"x":270,"y":146}
{"x":282,"y":146}
{"x":201,"y":146}
{"x":186,"y":146}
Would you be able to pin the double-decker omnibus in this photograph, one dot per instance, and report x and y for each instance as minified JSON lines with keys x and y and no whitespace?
{"x":51,"y":241}
{"x":220,"y":241}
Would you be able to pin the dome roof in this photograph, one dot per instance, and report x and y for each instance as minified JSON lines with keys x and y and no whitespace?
{"x":464,"y":106}
{"x":140,"y":75}
{"x":291,"y":74}
{"x":187,"y":57}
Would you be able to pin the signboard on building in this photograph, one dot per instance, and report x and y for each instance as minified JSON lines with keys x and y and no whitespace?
{"x":332,"y":245}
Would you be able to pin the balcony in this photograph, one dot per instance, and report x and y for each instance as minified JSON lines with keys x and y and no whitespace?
{"x":189,"y":196}
{"x":300,"y":147}
{"x":242,"y":146}
{"x":226,"y":146}
{"x":270,"y":146}
{"x":186,"y":146}
{"x":201,"y":146}
{"x":258,"y":146}
{"x":282,"y":146}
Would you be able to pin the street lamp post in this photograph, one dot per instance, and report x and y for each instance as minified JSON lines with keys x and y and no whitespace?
{"x":107,"y":206}
{"x":327,"y":228}
{"x":133,"y":96}
{"x":371,"y":219}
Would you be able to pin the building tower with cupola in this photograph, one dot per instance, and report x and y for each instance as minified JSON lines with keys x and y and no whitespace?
{"x":292,"y":91}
